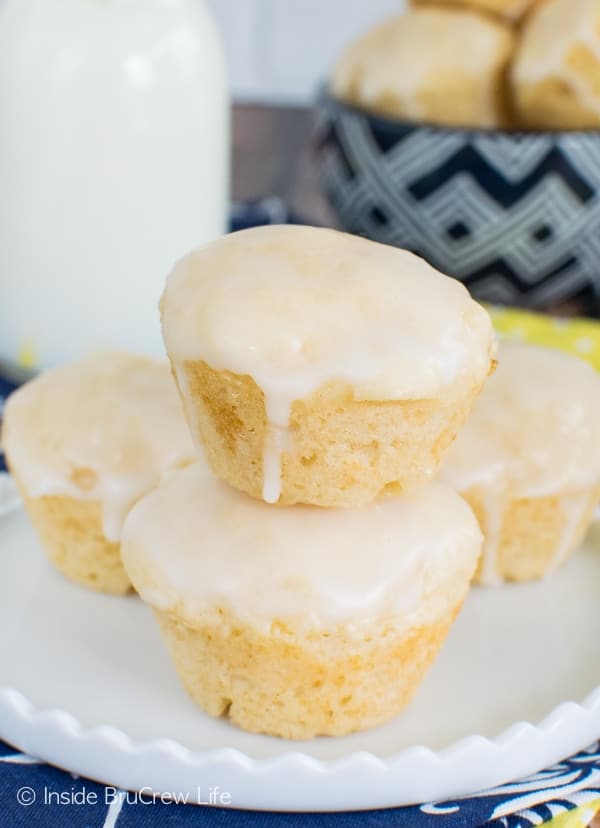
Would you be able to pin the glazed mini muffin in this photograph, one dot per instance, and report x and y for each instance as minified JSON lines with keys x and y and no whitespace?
{"x":300,"y":621}
{"x":528,"y":461}
{"x":84,"y":443}
{"x":321,"y":368}
{"x":556,"y":73}
{"x":511,"y":10}
{"x":439,"y":65}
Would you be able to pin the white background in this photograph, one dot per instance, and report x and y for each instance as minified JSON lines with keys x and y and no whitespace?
{"x":280,"y":50}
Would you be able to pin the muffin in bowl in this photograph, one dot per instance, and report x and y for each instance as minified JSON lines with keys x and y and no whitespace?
{"x":513,"y":11}
{"x":434,"y":64}
{"x":511,"y":211}
{"x":556,"y":70}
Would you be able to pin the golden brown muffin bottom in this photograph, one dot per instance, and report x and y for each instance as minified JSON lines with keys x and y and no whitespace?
{"x":531,"y":531}
{"x":72,"y":535}
{"x":300,"y":686}
{"x":342,"y":452}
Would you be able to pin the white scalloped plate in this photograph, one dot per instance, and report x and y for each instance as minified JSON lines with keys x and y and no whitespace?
{"x":86,"y":685}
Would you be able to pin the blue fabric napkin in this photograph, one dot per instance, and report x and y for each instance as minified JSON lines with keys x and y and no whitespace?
{"x":35,"y":795}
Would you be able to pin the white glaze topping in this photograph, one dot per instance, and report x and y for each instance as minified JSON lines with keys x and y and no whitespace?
{"x":535,"y":429}
{"x":195,"y":544}
{"x":494,"y":506}
{"x":534,"y":432}
{"x":574,"y":508}
{"x":106,"y":428}
{"x":297,"y":307}
{"x":551,"y":33}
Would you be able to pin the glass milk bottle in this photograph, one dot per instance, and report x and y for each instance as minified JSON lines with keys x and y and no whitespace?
{"x":114,"y":162}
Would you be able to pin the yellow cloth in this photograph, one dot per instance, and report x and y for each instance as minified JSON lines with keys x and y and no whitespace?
{"x":580,"y":818}
{"x":577,"y":336}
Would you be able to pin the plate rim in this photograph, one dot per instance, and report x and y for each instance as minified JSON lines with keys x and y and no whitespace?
{"x":57,"y":737}
{"x":357,"y":781}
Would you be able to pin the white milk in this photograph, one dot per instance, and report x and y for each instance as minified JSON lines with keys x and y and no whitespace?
{"x":114,"y":162}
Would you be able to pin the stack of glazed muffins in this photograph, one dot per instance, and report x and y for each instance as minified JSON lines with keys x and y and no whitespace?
{"x":308,"y":588}
{"x":510,"y":64}
{"x":303,"y":559}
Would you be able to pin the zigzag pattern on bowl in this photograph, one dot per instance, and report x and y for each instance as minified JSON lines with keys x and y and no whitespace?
{"x":516,"y":217}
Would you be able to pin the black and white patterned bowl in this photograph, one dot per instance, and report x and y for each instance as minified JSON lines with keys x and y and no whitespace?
{"x":515,"y":216}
